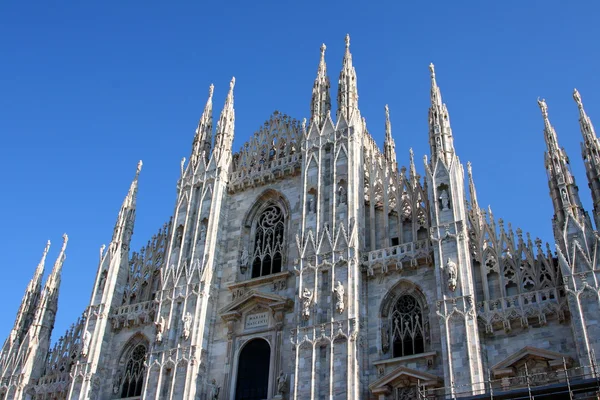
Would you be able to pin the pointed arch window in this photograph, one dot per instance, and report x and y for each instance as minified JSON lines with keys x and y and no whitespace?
{"x":268,"y":242}
{"x":133,"y":377}
{"x":407,"y":326}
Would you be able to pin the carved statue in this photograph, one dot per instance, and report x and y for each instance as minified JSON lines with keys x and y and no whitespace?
{"x":187,"y":325}
{"x":306,"y":302}
{"x":370,"y":270}
{"x":160,"y":325}
{"x":281,"y":383}
{"x":311,"y":203}
{"x":245,"y":257}
{"x":444,"y":200}
{"x":385,"y":339}
{"x":202,"y":231}
{"x":178,"y":236}
{"x":102,"y":280}
{"x":216,"y":389}
{"x":451,"y":270}
{"x":339,"y":297}
{"x":85,"y":347}
{"x":564,"y":196}
{"x":117,"y":384}
{"x":342,"y":195}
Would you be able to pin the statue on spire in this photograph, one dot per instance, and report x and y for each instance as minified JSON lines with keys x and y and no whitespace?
{"x":320,"y":104}
{"x":347,"y":98}
{"x":544,"y":107}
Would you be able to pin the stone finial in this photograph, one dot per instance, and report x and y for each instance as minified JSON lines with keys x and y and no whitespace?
{"x":139,"y":168}
{"x":211,"y":90}
{"x":232,"y":83}
{"x":432,"y":70}
{"x":323,"y":48}
{"x":65,"y":240}
{"x":347,"y":40}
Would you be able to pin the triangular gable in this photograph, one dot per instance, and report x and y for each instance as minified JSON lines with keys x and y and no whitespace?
{"x":554,"y":359}
{"x":253,"y":297}
{"x":400,"y":375}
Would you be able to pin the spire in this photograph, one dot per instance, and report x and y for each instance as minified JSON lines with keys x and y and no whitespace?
{"x":440,"y":133}
{"x":590,"y":151}
{"x":472,"y":191}
{"x":53,"y":281}
{"x":389,"y":145}
{"x":563,"y":190}
{"x":203,"y":135}
{"x":36,"y":281}
{"x":320,"y":104}
{"x":436,"y":94}
{"x":30,"y":299}
{"x":347,"y":99}
{"x":412,"y":169}
{"x":226,"y":124}
{"x":124,"y":226}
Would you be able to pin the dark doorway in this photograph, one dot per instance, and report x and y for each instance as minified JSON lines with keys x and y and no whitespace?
{"x":253,"y":371}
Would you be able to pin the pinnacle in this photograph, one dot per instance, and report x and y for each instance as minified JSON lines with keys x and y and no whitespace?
{"x":211,"y":90}
{"x":347,"y":40}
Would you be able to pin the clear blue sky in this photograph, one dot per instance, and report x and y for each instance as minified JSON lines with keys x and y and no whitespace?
{"x":89,"y":88}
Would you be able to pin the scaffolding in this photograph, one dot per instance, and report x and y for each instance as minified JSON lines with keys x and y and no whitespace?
{"x":576,"y":383}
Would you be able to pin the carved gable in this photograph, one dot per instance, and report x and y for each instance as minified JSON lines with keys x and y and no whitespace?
{"x":535,"y":360}
{"x":254,"y":300}
{"x":403,"y":377}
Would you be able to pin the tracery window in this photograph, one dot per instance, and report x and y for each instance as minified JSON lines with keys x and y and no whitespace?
{"x":407,"y":327}
{"x":268,"y":242}
{"x":133,"y":378}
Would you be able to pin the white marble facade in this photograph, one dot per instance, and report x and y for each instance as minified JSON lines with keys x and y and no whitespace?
{"x":308,"y":265}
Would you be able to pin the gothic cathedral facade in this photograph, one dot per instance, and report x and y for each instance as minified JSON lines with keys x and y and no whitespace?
{"x":308,"y":265}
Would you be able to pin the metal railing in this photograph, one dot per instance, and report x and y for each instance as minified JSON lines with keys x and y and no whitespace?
{"x":579,"y":382}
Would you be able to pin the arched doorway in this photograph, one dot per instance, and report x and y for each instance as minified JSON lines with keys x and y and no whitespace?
{"x":253,"y":371}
